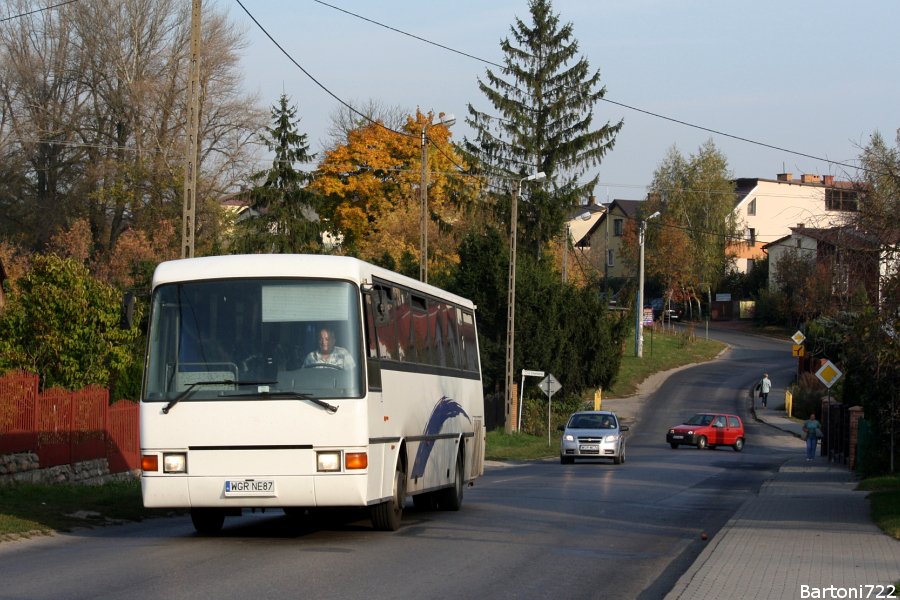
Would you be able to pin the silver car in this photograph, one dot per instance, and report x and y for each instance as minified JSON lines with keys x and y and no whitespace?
{"x":592,"y":434}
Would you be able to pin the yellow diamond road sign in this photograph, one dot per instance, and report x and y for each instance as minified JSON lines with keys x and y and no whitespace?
{"x":828,"y":374}
{"x":798,"y":338}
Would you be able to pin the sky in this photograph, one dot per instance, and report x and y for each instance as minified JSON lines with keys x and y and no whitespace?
{"x":814,"y":77}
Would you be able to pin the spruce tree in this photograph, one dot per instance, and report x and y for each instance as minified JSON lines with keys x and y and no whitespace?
{"x":287,"y":221}
{"x":544,"y":123}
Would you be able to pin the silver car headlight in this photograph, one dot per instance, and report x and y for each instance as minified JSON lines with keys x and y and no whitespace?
{"x":174,"y":463}
{"x":612,"y":438}
{"x":569,"y":437}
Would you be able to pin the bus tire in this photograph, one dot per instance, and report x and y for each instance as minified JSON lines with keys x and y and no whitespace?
{"x":207,"y":521}
{"x":451,"y":498}
{"x":388,"y":515}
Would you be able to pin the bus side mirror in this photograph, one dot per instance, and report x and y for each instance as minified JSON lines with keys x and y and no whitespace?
{"x":126,"y":314}
{"x":380,"y":300}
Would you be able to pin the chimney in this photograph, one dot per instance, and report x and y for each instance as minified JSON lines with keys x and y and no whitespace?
{"x":801,"y":225}
{"x":828,"y":179}
{"x":809,"y":178}
{"x":785,"y":177}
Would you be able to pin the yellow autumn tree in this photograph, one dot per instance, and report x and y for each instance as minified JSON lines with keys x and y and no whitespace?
{"x":371,"y":184}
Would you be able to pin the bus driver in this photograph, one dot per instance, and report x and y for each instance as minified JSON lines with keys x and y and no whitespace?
{"x":328,"y":353}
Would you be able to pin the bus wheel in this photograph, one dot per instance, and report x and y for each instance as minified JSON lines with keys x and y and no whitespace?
{"x":387,"y":515}
{"x":207,"y":521}
{"x":451,"y":498}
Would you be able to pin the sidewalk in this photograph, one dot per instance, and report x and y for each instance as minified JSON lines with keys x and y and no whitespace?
{"x":807,"y":527}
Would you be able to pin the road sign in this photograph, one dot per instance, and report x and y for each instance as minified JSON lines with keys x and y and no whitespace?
{"x":549,"y":385}
{"x":828,"y":374}
{"x":648,"y":317}
{"x":798,"y":350}
{"x":798,"y":338}
{"x":526,"y":373}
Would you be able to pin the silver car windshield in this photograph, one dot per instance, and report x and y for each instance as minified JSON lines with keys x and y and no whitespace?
{"x":254,"y":339}
{"x":592,"y":422}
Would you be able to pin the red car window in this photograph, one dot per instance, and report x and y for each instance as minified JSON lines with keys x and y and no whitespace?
{"x":734,"y":422}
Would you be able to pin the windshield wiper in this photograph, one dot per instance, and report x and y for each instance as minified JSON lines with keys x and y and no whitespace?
{"x":191,"y":387}
{"x":330,"y":408}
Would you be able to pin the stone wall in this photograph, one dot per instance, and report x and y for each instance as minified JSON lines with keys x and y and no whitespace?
{"x":24,"y":468}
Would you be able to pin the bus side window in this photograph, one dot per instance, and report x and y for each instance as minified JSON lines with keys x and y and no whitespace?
{"x":387,"y":334}
{"x":451,"y":350}
{"x":470,"y":344}
{"x":420,"y":329}
{"x":371,"y":339}
{"x":436,"y":333}
{"x":405,"y":332}
{"x":373,"y":366}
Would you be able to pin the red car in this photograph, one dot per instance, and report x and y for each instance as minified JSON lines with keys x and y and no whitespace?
{"x":709,"y":430}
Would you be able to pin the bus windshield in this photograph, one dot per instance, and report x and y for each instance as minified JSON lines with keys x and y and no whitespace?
{"x":254,"y":339}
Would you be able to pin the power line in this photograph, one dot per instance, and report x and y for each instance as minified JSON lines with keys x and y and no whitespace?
{"x":316,"y":81}
{"x":37,"y":11}
{"x":623,"y":105}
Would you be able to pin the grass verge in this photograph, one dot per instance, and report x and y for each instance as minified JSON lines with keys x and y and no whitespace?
{"x":519,"y":446}
{"x":663,"y":350}
{"x":885,"y":499}
{"x":48,"y":508}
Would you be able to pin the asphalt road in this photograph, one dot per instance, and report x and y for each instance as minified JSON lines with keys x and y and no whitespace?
{"x":539,"y":529}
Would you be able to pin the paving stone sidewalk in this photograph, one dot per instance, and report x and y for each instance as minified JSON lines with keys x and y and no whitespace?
{"x":806,"y":527}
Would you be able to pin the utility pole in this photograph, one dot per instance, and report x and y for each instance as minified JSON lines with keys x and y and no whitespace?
{"x":511,"y":300}
{"x":511,"y":306}
{"x":423,"y":194}
{"x":191,"y":133}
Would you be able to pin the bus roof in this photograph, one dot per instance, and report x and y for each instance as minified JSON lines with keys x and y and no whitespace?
{"x":289,"y":265}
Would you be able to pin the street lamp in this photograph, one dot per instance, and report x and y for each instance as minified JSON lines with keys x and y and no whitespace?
{"x":639,"y":325}
{"x":446,"y":121}
{"x":511,"y":310}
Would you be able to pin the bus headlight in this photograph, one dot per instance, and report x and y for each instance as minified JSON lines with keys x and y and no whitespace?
{"x":328,"y":461}
{"x":174,"y":463}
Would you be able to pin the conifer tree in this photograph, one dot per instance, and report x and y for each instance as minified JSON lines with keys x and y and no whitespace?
{"x":545,"y":98}
{"x":287,"y":221}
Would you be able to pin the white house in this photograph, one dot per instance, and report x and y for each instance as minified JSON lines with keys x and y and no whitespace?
{"x":767,"y":209}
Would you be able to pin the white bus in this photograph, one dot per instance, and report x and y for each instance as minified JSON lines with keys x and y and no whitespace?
{"x":298,"y":382}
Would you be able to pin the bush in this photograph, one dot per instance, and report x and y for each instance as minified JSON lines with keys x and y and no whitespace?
{"x":64,"y":325}
{"x":534,"y":413}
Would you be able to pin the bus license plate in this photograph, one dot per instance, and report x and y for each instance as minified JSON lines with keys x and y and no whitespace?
{"x":587,"y":447}
{"x":250,"y":487}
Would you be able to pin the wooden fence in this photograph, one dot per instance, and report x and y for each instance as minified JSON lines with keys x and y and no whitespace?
{"x":64,"y":427}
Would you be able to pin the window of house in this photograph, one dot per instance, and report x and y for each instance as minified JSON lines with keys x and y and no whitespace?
{"x":751,"y":207}
{"x":751,"y":236}
{"x":751,"y":262}
{"x":799,"y":244}
{"x":845,"y":200}
{"x":618,"y":227}
{"x":610,"y":258}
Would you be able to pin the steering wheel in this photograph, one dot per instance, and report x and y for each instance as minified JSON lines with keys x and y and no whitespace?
{"x":323,"y":366}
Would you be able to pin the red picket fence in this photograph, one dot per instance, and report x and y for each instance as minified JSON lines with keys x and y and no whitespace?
{"x":64,"y":427}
